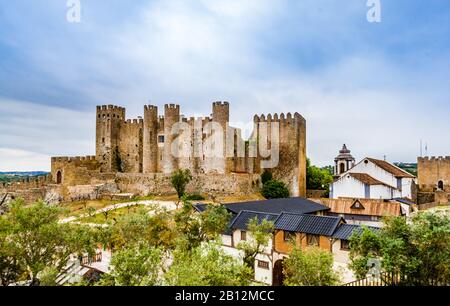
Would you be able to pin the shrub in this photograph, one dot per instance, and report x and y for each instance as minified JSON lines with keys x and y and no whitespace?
{"x":179,"y":180}
{"x":194,"y":197}
{"x":275,"y":190}
{"x":266,"y":176}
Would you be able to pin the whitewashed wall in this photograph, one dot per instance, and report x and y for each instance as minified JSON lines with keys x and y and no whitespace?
{"x":341,"y":260}
{"x":264,"y":275}
{"x":348,"y":187}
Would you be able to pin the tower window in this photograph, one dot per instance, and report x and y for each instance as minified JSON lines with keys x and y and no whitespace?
{"x":161,"y":138}
{"x":441,"y":185}
{"x":103,"y":140}
{"x":59,"y":177}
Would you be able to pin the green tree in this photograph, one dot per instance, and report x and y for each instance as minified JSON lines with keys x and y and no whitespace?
{"x":10,"y":265}
{"x":266,"y":176}
{"x":137,"y":265}
{"x":317,"y":178}
{"x":275,"y":190}
{"x":39,"y":241}
{"x":418,"y":251}
{"x":179,"y":180}
{"x":154,"y":229}
{"x":364,"y":247}
{"x":310,"y":267}
{"x":193,"y":228}
{"x":207,"y":265}
{"x":260,"y":234}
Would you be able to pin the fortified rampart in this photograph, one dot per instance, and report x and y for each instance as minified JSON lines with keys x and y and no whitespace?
{"x":139,"y":155}
{"x":434,"y":179}
{"x":433,"y":172}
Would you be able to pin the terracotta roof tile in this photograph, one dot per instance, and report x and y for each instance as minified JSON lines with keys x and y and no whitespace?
{"x":372,"y":207}
{"x":397,"y":172}
{"x":366,"y":179}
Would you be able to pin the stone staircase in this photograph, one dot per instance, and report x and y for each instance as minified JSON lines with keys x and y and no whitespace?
{"x":72,"y":273}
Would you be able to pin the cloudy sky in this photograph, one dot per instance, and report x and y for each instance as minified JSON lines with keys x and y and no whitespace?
{"x":378,"y":87}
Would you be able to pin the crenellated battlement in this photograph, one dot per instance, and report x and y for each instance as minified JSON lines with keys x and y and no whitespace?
{"x":27,"y":183}
{"x":434,"y":158}
{"x":150,"y":107}
{"x":110,"y":112}
{"x":282,"y":118}
{"x":172,"y":106}
{"x":139,"y":121}
{"x":62,"y":159}
{"x":219,"y":103}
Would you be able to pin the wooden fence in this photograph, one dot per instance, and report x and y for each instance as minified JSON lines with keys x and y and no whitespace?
{"x":394,"y":279}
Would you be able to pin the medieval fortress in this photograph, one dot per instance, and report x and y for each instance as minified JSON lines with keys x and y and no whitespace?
{"x":138,"y":156}
{"x":434,"y":179}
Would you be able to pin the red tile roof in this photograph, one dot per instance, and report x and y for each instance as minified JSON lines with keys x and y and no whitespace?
{"x":367,"y":179}
{"x":397,"y":172}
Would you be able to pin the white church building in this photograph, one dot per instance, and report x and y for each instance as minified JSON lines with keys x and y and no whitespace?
{"x":369,"y":179}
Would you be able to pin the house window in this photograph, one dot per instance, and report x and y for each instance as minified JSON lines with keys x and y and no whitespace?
{"x":374,"y":218}
{"x":345,"y":245}
{"x":243,"y":235}
{"x":357,"y":205}
{"x":161,"y":138}
{"x":263,"y":264}
{"x":289,"y":236}
{"x":312,"y":240}
{"x":399,"y":183}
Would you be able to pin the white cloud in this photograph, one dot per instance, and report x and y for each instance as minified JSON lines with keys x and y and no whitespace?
{"x":19,"y":160}
{"x":45,"y":131}
{"x":197,"y":52}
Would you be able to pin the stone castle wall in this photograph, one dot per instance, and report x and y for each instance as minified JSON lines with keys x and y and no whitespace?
{"x":211,"y":184}
{"x":432,"y":170}
{"x":146,"y":145}
{"x":135,"y":156}
{"x":292,"y":147}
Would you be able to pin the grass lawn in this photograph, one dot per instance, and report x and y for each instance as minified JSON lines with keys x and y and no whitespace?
{"x":245,"y":198}
{"x":100,"y":218}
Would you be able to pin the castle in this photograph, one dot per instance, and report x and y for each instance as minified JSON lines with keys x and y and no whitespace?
{"x":434,"y":179}
{"x":137,"y":156}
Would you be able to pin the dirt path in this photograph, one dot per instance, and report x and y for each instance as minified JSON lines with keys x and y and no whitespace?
{"x":169,"y":205}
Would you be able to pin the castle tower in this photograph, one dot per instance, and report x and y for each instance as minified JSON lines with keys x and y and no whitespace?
{"x":343,"y":162}
{"x":109,"y":118}
{"x":285,"y":138}
{"x":171,"y":116}
{"x":150,"y":146}
{"x":221,"y":115}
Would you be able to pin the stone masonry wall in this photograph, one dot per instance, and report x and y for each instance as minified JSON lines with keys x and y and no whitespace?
{"x":431,"y":170}
{"x":216,"y":184}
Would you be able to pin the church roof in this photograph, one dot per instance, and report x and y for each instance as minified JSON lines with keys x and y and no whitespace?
{"x":344,"y":153}
{"x":366,"y":179}
{"x":397,"y":172}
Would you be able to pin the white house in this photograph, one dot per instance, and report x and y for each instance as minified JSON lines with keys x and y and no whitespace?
{"x":373,"y":179}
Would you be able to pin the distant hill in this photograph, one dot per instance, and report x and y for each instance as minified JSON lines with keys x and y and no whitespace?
{"x":16,"y":175}
{"x":408,"y":167}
